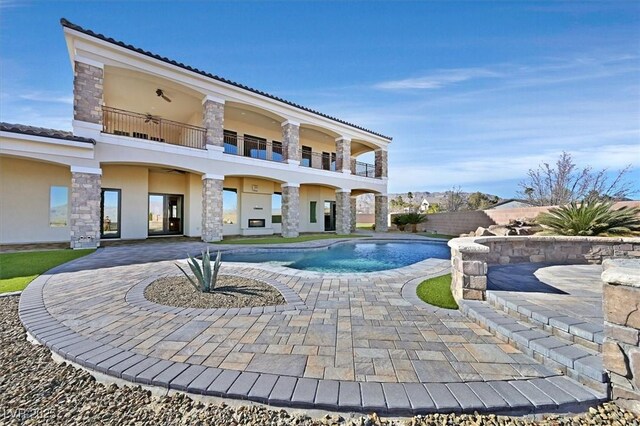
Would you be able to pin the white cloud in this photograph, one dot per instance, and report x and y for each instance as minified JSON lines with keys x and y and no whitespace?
{"x":47,"y":97}
{"x":438,"y":79}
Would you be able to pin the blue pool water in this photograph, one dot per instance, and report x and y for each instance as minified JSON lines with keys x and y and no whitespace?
{"x":348,"y":257}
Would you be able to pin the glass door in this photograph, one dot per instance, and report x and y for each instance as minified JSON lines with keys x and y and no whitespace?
{"x":165,"y":214}
{"x":329,"y":215}
{"x":110,"y":213}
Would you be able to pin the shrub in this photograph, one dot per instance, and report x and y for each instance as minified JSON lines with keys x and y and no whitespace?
{"x":591,"y":219}
{"x":404,"y":219}
{"x":206,"y":276}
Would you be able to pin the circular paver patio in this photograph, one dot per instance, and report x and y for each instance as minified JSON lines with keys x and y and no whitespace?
{"x":360,"y":342}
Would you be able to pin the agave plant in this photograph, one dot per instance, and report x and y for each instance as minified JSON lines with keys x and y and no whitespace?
{"x":205,"y":275}
{"x":591,"y":218}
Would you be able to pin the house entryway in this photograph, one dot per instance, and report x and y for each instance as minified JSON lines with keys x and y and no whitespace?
{"x":110,"y":213}
{"x":165,"y":214}
{"x":329,"y":215}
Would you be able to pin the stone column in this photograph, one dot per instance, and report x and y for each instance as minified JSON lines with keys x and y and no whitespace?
{"x":88,"y":90}
{"x":621,"y":351}
{"x":84,"y":219}
{"x":343,"y":211}
{"x":353,"y":166}
{"x":468,"y":270}
{"x":291,"y":141}
{"x":343,"y":155}
{"x":382,"y":213}
{"x":212,"y":208}
{"x":381,"y":163}
{"x":354,"y":213}
{"x":290,"y":210}
{"x":213,"y":121}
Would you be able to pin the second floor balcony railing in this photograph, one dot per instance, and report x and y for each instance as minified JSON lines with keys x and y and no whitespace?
{"x":318,"y":160}
{"x":145,"y":126}
{"x":363,"y":169}
{"x":253,"y":147}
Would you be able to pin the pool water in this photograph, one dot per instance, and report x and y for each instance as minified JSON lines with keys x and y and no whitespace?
{"x":347,"y":257}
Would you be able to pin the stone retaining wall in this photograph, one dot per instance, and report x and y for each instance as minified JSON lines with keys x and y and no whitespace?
{"x":621,"y":352}
{"x":470,"y":256}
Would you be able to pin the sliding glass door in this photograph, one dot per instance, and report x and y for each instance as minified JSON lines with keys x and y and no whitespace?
{"x":110,"y":213}
{"x":165,"y":214}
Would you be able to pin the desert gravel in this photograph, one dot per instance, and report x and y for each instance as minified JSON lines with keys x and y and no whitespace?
{"x":34,"y":390}
{"x":230,"y":292}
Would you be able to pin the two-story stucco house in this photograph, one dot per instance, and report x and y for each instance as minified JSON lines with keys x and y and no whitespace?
{"x":160,"y":148}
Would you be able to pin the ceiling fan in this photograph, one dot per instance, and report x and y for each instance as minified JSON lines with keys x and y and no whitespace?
{"x":151,"y":118}
{"x":161,"y":94}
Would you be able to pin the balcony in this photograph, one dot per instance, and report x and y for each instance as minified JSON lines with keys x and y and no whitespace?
{"x":363,"y":169}
{"x":252,"y":147}
{"x":149,"y":127}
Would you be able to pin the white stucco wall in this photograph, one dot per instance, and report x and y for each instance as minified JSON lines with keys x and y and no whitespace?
{"x":132,"y":182}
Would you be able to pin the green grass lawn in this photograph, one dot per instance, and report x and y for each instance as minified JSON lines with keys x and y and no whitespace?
{"x":281,"y":240}
{"x":19,"y":269}
{"x":437,"y":292}
{"x":441,"y":236}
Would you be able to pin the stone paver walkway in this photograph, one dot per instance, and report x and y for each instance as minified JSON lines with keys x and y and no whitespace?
{"x":344,"y":341}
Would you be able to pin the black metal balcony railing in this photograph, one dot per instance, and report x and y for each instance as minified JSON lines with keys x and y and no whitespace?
{"x":318,"y":160}
{"x":253,"y":147}
{"x":364,"y":169}
{"x":144,"y":126}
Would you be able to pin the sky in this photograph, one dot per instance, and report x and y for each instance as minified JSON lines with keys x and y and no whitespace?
{"x":473,"y":93}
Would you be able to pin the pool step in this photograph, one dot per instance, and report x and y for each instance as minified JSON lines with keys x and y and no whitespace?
{"x":565,"y":356}
{"x":567,"y":327}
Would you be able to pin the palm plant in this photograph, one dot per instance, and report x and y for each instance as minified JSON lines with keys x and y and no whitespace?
{"x":591,"y":218}
{"x":413,"y":219}
{"x":206,"y":276}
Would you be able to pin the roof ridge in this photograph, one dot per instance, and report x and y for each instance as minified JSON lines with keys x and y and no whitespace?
{"x":65,"y":23}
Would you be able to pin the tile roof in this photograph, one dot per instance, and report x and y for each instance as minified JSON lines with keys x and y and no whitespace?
{"x":102,"y":37}
{"x":44,"y":132}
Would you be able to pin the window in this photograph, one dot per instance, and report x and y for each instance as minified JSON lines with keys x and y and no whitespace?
{"x":230,"y":142}
{"x":313,"y":206}
{"x":306,"y":156}
{"x":276,"y":208}
{"x":58,"y":206}
{"x":229,"y":206}
{"x":276,"y":150}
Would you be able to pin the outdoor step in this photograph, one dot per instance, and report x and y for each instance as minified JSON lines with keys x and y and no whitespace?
{"x":565,"y":356}
{"x":567,"y":327}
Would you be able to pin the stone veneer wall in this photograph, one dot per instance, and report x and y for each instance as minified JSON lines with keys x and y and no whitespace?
{"x":290,"y":211}
{"x":382,"y":213}
{"x":621,"y":351}
{"x":212,"y":209}
{"x":343,"y":212}
{"x":84,"y":219}
{"x":291,"y":141}
{"x":470,"y":256}
{"x":88,"y":93}
{"x":343,"y":154}
{"x":381,"y":160}
{"x":213,"y":121}
{"x":354,"y":213}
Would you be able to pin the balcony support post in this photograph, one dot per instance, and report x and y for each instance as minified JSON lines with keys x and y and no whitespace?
{"x":290,"y":210}
{"x":213,"y":122}
{"x":291,"y":142}
{"x":381,"y":156}
{"x":343,"y":154}
{"x":88,"y":88}
{"x":354,"y":213}
{"x":343,"y":211}
{"x":84,"y":218}
{"x":382,"y":212}
{"x":212,"y":207}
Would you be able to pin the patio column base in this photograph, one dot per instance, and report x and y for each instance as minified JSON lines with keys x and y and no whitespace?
{"x":212,"y":208}
{"x":290,"y":210}
{"x":84,"y":220}
{"x":343,"y":212}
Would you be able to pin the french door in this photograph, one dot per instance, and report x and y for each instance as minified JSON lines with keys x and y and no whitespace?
{"x":329,"y":215}
{"x":110,"y":223}
{"x":165,"y":214}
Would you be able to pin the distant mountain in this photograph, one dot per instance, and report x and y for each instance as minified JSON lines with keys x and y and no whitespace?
{"x":365,"y":204}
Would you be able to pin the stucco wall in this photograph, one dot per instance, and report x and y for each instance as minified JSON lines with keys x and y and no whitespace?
{"x":24,"y":206}
{"x":132,"y":182}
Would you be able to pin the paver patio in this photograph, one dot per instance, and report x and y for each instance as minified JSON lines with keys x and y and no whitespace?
{"x":342,"y":341}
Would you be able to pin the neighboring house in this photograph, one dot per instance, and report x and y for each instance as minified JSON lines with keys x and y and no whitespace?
{"x":424,"y":206}
{"x":511,"y":203}
{"x":160,"y":148}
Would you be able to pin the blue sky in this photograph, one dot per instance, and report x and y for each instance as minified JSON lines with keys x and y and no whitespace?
{"x":474,"y":93}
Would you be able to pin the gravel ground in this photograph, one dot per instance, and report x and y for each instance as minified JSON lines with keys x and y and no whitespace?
{"x":231,"y":292}
{"x":34,"y":390}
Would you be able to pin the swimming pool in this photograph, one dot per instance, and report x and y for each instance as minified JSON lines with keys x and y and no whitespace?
{"x":347,"y":257}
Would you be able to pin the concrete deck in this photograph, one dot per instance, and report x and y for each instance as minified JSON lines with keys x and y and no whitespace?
{"x":351,"y":342}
